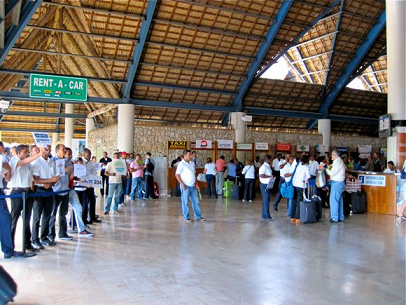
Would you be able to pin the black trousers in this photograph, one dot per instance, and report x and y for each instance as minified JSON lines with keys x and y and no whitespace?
{"x":6,"y":241}
{"x":298,"y":197}
{"x":42,"y":207}
{"x":16,"y":209}
{"x":149,"y":186}
{"x":85,"y":207}
{"x":61,"y":204}
{"x":92,"y":204}
{"x":105,"y":183}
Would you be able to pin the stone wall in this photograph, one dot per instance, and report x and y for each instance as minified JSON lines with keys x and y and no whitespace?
{"x":154,"y":139}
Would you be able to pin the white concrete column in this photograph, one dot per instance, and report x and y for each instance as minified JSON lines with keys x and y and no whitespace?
{"x":324,"y":128}
{"x":55,"y":138}
{"x":240,"y":129}
{"x":396,"y":71}
{"x":90,"y":125}
{"x":69,"y":108}
{"x":125,"y":128}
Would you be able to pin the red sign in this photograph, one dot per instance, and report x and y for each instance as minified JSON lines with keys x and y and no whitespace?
{"x":285,"y":147}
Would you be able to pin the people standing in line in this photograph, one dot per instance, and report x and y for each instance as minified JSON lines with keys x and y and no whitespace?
{"x":149,"y":177}
{"x":210,"y":171}
{"x":43,"y":170}
{"x":6,"y":240}
{"x":196,"y":160}
{"x":257,"y":162}
{"x":286,"y":174}
{"x":127,"y":177}
{"x":231,"y":171}
{"x":265,"y":173}
{"x":61,"y":200}
{"x":249,"y":177}
{"x":369,"y":166}
{"x":278,"y":196}
{"x":337,"y":177}
{"x":21,"y":182}
{"x":115,"y":187}
{"x":105,"y":180}
{"x":313,"y":166}
{"x":276,"y":172}
{"x":299,"y":182}
{"x":220,"y":168}
{"x":90,"y":170}
{"x":137,"y":171}
{"x":186,"y":176}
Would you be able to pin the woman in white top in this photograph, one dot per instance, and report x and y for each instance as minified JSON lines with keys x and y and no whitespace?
{"x":301,"y":177}
{"x":210,"y":171}
{"x":249,"y":174}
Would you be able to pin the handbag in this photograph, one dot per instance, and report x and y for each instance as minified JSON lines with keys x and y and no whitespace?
{"x":201,"y":177}
{"x":321,"y":179}
{"x":287,"y":189}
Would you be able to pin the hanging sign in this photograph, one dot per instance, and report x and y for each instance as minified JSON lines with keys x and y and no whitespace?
{"x":225,"y":144}
{"x":204,"y":144}
{"x":244,"y":146}
{"x":42,"y":139}
{"x":177,"y":144}
{"x":322,"y":148}
{"x":58,"y":87}
{"x":373,"y":180}
{"x":342,"y":150}
{"x":283,"y":147}
{"x":364,"y":149}
{"x":261,"y":146}
{"x":305,"y":148}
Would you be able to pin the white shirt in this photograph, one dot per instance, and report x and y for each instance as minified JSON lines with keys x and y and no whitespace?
{"x":301,"y":175}
{"x":187,"y":171}
{"x":21,"y":176}
{"x":249,"y":172}
{"x":337,"y":172}
{"x":389,"y":171}
{"x":210,"y":168}
{"x":112,"y":170}
{"x":265,"y":169}
{"x":275,"y":165}
{"x":42,"y":168}
{"x":287,"y":169}
{"x":2,"y":171}
{"x":314,"y":165}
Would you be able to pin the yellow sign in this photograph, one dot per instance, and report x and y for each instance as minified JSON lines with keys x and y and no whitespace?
{"x":177,"y":144}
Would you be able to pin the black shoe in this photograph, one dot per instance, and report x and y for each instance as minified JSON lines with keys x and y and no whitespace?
{"x":32,"y":249}
{"x":201,"y":219}
{"x":96,"y":220}
{"x":48,"y":242}
{"x":332,"y":221}
{"x":275,"y":209}
{"x":188,"y":220}
{"x":90,"y":222}
{"x":66,"y":237}
{"x":37,"y":245}
{"x":268,"y":218}
{"x":19,"y":255}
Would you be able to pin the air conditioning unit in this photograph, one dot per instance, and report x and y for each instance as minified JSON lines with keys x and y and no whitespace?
{"x":4,"y":105}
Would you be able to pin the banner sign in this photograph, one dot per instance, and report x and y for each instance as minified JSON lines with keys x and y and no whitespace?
{"x":364,"y":156}
{"x":342,"y":150}
{"x":322,"y":148}
{"x":41,"y":139}
{"x":244,"y":146}
{"x":120,"y":166}
{"x":285,"y":147}
{"x":365,"y":149}
{"x":225,"y":144}
{"x":204,"y":144}
{"x":373,"y":180}
{"x":305,"y":148}
{"x":177,"y":144}
{"x":58,"y":87}
{"x":92,"y":180}
{"x":261,"y":146}
{"x":79,"y":170}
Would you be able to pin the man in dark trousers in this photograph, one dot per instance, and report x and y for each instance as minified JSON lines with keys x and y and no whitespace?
{"x":105,"y":179}
{"x":90,"y":170}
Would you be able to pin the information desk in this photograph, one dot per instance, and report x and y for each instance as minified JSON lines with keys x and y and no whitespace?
{"x":172,"y":180}
{"x":380,"y":190}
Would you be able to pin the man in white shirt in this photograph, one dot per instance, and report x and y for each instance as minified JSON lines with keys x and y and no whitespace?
{"x":115,"y":183}
{"x":265,"y":173}
{"x":20,"y":182}
{"x":391,"y":168}
{"x":286,"y":173}
{"x":186,"y":176}
{"x":90,"y":207}
{"x":276,"y":172}
{"x":278,"y":196}
{"x":337,"y":177}
{"x":314,"y":165}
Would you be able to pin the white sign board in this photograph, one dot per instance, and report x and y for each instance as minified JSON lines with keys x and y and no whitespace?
{"x":204,"y":144}
{"x":244,"y":146}
{"x":79,"y":170}
{"x":305,"y":148}
{"x":364,"y":149}
{"x":322,"y":148}
{"x":42,"y":139}
{"x":225,"y":144}
{"x":364,"y":156}
{"x":93,"y":181}
{"x":373,"y":180}
{"x":120,"y":166}
{"x":261,"y":146}
{"x":60,"y":167}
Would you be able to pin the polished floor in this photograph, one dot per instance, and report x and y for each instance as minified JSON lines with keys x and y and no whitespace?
{"x":149,"y":255}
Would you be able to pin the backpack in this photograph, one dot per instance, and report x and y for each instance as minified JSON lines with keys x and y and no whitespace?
{"x":150,"y":167}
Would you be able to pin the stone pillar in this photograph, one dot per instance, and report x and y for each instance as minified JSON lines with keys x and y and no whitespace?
{"x":240,"y":128}
{"x":324,"y":128}
{"x":69,"y":108}
{"x":125,"y":128}
{"x":90,"y":125}
{"x":396,"y":69}
{"x":55,"y":138}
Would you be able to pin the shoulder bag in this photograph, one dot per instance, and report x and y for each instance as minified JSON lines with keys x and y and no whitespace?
{"x":287,"y":190}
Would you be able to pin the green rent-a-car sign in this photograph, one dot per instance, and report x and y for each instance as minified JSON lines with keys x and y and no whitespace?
{"x":58,"y":87}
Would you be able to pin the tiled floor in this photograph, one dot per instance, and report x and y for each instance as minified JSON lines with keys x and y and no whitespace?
{"x":149,"y":255}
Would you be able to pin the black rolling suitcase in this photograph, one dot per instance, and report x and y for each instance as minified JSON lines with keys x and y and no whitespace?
{"x":347,"y":203}
{"x":358,"y":202}
{"x":8,"y":288}
{"x":308,"y":210}
{"x":236,"y":190}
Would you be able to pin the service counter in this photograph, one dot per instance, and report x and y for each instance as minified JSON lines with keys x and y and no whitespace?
{"x":171,"y":185}
{"x":380,"y":190}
